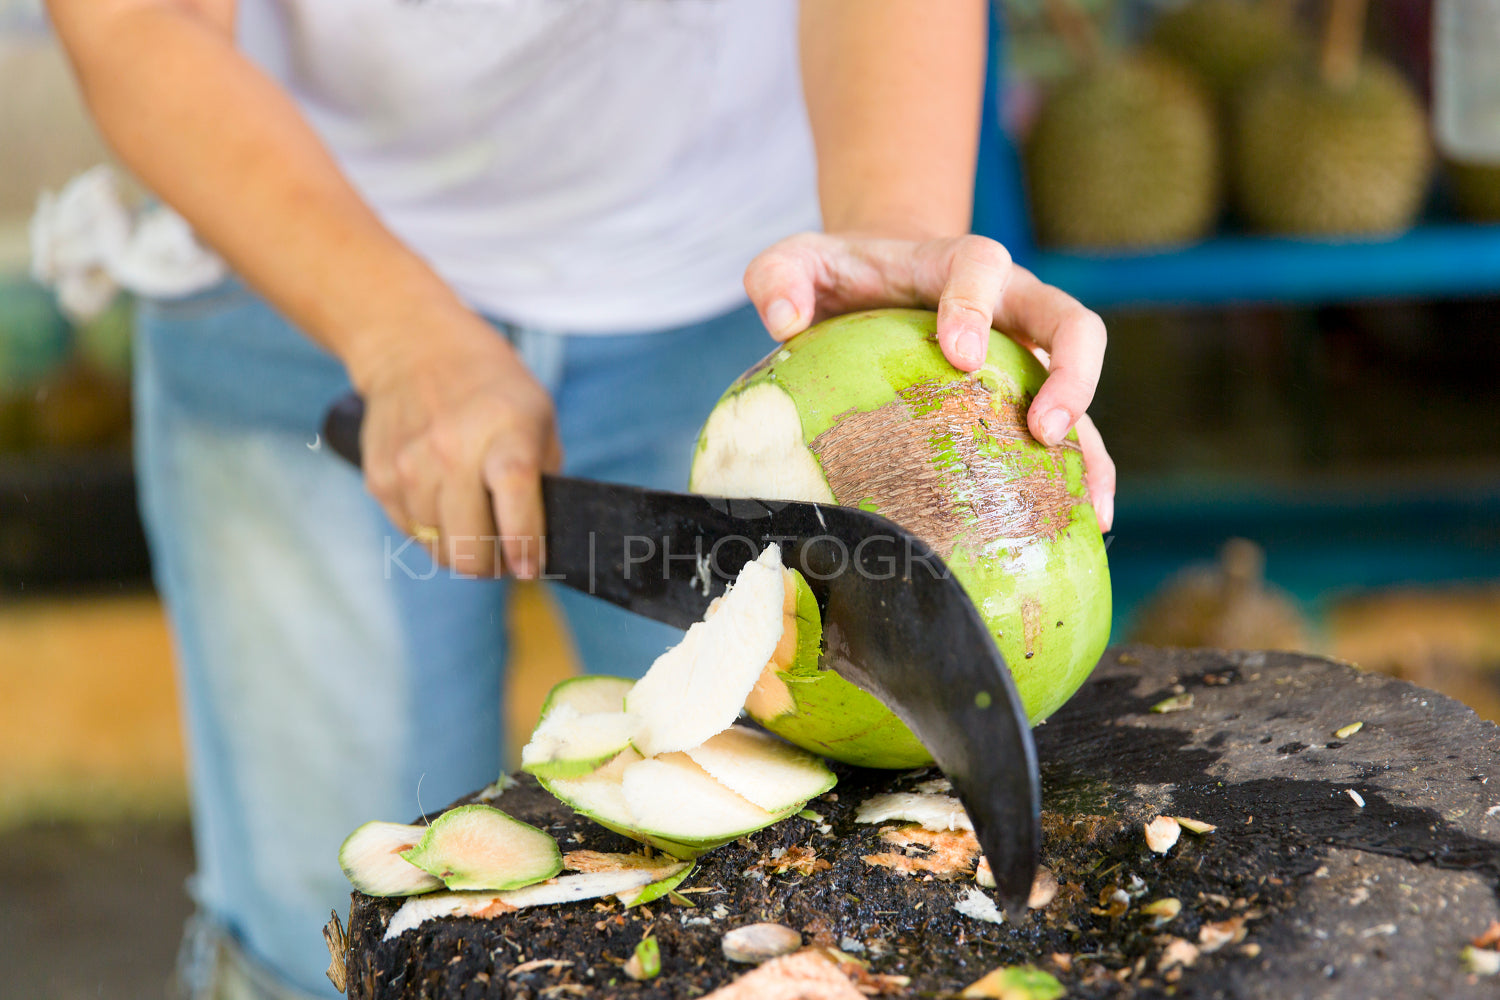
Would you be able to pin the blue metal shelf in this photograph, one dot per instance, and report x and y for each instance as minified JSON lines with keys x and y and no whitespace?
{"x":1430,"y":261}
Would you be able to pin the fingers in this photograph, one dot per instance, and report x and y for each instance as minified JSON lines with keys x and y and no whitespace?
{"x":1075,"y":339}
{"x":381,"y":477}
{"x":514,"y":481}
{"x":977,"y":274}
{"x":1099,"y":472}
{"x":458,"y":467}
{"x":468,"y":526}
{"x":782,"y":283}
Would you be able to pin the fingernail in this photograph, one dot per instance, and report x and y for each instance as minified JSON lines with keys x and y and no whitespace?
{"x":781,"y":315}
{"x":1055,"y":425}
{"x":1104,"y":510}
{"x":970,"y":348}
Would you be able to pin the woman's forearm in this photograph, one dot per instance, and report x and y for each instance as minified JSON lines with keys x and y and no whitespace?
{"x":893,"y":90}
{"x":221,"y":143}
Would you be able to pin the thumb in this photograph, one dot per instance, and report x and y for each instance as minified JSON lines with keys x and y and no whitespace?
{"x":781,"y":282}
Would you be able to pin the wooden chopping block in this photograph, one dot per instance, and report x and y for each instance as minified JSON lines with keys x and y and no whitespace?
{"x":1341,"y":866}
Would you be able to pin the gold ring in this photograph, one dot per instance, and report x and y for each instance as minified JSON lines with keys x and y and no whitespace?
{"x":427,"y":534}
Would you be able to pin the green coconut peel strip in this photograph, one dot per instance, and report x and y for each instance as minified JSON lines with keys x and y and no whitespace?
{"x":656,"y":890}
{"x":569,"y":744}
{"x":372,"y":862}
{"x":480,"y":847}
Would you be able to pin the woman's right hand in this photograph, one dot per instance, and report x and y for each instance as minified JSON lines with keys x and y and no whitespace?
{"x":456,"y":436}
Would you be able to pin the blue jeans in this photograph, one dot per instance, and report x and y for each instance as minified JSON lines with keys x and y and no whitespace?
{"x":323,"y":684}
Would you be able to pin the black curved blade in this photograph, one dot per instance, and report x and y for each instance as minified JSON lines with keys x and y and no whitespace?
{"x":889,"y":605}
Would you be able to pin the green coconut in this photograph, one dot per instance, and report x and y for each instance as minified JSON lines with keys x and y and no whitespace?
{"x":864,"y":410}
{"x":822,"y":695}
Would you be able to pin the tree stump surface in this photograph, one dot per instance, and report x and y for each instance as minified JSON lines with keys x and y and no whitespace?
{"x":1334,"y":899}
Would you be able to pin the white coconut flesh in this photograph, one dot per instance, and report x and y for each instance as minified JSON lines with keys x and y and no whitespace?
{"x":480,"y":847}
{"x":672,"y":797}
{"x":935,"y":812}
{"x":371,"y":860}
{"x":759,"y":767}
{"x":598,"y":795}
{"x":696,"y":689}
{"x":567,"y":889}
{"x":770,"y":697}
{"x":568,"y":743}
{"x":753,"y":447}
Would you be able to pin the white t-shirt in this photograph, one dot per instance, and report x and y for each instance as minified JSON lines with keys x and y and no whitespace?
{"x":578,"y":165}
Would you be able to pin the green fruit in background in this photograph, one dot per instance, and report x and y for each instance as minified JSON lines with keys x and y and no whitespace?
{"x":1312,"y":158}
{"x":1476,"y":189}
{"x":1124,"y":154}
{"x":35,"y":338}
{"x":1227,"y":43}
{"x":864,"y":410}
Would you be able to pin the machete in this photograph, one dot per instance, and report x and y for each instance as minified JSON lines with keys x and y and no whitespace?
{"x":895,"y":620}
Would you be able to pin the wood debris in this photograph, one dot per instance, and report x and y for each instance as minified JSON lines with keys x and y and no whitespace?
{"x":1162,"y":833}
{"x":975,"y":905}
{"x":1176,"y":703}
{"x":802,"y":860}
{"x":1113,"y":902}
{"x":935,"y":812}
{"x":338,"y":951}
{"x":600,"y":861}
{"x":1164,"y":910}
{"x":806,"y":975}
{"x":1043,"y":888}
{"x":755,"y":943}
{"x":1178,"y":952}
{"x":1194,"y":825}
{"x":1213,"y":936}
{"x":1489,"y":939}
{"x":539,"y":963}
{"x":869,"y":983}
{"x":1481,"y":961}
{"x":944,"y":853}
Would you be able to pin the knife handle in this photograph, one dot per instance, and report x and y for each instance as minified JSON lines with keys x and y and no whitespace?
{"x":341,"y":425}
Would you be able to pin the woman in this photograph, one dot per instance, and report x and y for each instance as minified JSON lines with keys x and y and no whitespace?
{"x":519,"y":229}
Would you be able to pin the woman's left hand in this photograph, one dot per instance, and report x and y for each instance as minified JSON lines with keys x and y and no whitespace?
{"x":974,"y":286}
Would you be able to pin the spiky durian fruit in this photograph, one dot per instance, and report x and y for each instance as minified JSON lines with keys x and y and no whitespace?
{"x":1228,"y":42}
{"x":1340,"y":150}
{"x":1319,"y":159}
{"x":1124,"y":154}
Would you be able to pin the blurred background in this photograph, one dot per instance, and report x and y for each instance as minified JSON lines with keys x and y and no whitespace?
{"x":1288,"y":212}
